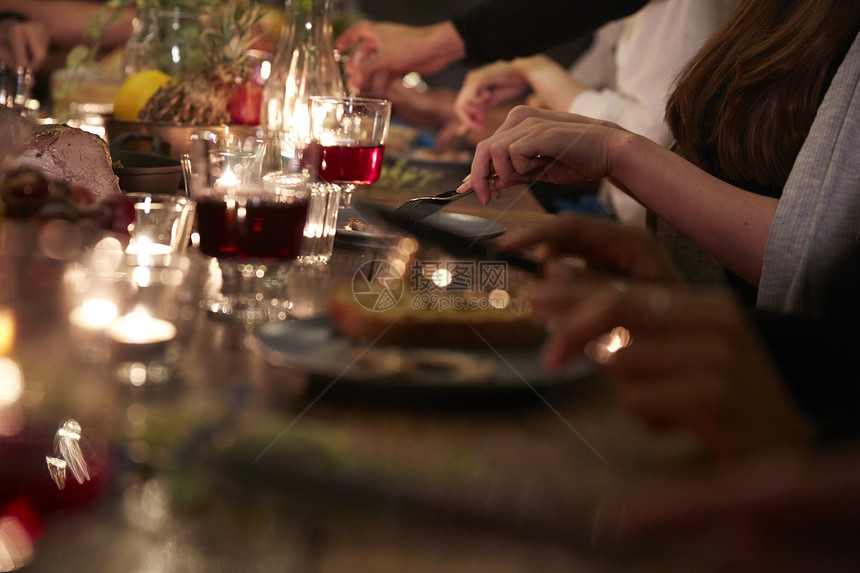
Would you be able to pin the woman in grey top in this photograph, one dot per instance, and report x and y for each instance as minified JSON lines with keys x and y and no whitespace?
{"x":740,"y":114}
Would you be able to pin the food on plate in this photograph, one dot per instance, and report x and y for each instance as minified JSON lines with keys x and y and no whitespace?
{"x":451,"y":320}
{"x":360,"y":225}
{"x":69,"y":155}
{"x":400,"y":138}
{"x":404,"y":177}
{"x":441,"y":155}
{"x":457,"y":367}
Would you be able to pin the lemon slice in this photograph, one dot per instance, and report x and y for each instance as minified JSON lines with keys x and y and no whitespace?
{"x":135,"y":91}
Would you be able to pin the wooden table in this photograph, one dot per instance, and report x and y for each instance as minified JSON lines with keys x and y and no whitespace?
{"x":234,"y":465}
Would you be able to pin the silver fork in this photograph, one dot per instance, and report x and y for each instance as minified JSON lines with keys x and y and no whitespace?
{"x":423,"y":207}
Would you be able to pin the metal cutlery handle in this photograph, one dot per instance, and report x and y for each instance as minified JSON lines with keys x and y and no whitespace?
{"x":421,"y":207}
{"x":450,"y":194}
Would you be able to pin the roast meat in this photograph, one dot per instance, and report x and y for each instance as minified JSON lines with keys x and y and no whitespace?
{"x":70,"y":154}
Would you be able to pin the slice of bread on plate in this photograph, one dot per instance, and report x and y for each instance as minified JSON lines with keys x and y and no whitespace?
{"x":447,"y":320}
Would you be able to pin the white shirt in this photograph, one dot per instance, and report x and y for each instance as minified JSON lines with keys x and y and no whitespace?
{"x":631,"y":68}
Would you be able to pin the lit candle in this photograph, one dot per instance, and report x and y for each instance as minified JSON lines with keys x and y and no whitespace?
{"x":233,"y":168}
{"x":94,"y":314}
{"x":148,"y":253}
{"x":228,"y":180}
{"x":142,"y":248}
{"x":7,"y":330}
{"x":139,"y":328}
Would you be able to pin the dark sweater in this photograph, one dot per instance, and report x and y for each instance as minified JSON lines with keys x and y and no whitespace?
{"x":504,"y":29}
{"x":820,"y":358}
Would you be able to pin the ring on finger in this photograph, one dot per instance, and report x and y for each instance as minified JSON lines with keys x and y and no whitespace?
{"x":604,"y":347}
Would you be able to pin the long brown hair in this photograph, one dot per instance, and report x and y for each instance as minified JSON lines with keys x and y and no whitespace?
{"x":743,"y":106}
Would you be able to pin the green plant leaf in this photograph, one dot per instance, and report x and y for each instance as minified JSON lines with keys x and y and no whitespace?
{"x":77,"y":56}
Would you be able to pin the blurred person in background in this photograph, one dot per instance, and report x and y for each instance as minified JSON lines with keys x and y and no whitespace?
{"x":423,"y":99}
{"x":22,"y":42}
{"x":624,"y":77}
{"x":64,"y":23}
{"x":772,"y":398}
{"x":765,"y":176}
{"x":381,"y":52}
{"x":61,"y":25}
{"x":423,"y":102}
{"x":694,"y":358}
{"x":482,"y":33}
{"x":417,"y":13}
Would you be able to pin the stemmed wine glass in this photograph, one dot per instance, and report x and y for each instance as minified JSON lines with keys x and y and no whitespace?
{"x":251,"y":230}
{"x":347,"y":137}
{"x":348,"y":140}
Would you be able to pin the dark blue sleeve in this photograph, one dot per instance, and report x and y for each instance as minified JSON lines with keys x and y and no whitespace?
{"x":505,"y":29}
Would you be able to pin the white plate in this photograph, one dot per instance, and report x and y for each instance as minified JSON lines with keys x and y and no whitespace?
{"x":469,"y":226}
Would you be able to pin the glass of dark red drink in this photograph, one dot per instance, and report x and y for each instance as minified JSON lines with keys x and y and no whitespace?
{"x":255,"y":232}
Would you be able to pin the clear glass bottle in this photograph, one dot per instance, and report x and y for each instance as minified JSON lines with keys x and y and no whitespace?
{"x":304,"y":66}
{"x":168,"y":40}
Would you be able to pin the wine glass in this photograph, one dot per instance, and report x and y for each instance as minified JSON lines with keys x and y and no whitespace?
{"x":348,"y":140}
{"x":252,"y":231}
{"x":347,"y":137}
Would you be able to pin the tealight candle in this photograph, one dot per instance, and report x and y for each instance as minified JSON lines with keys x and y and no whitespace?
{"x":148,"y":248}
{"x":94,"y":314}
{"x":148,"y":253}
{"x":139,"y":328}
{"x":232,"y":168}
{"x":141,"y":348}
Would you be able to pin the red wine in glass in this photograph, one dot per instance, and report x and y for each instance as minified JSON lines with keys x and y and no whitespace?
{"x":256,"y":229}
{"x":359,"y":165}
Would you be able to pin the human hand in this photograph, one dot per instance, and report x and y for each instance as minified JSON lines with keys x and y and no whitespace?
{"x":23,"y":43}
{"x":379,"y":51}
{"x":537,"y":144}
{"x":586,"y":257}
{"x":680,"y":358}
{"x":450,"y":136}
{"x":605,"y":246}
{"x":485,"y":87}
